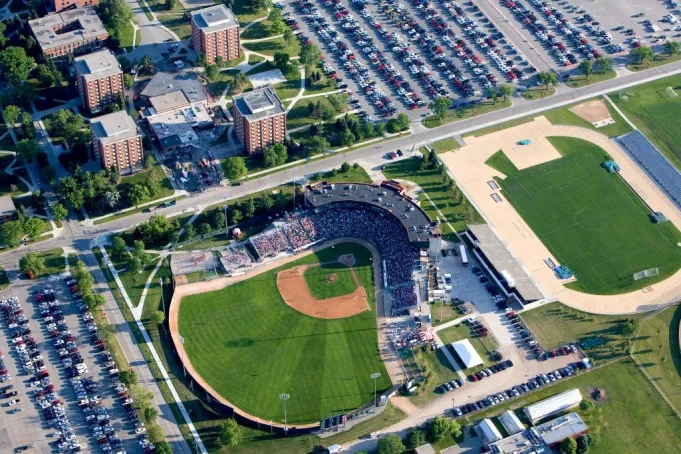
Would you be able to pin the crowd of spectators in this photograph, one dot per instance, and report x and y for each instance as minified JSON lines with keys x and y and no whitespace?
{"x":270,"y":243}
{"x":296,"y":233}
{"x":404,"y":296}
{"x":236,"y":257}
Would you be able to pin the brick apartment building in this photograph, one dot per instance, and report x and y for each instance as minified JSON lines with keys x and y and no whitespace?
{"x":215,"y":33}
{"x":75,"y":31}
{"x":117,"y":141}
{"x":259,"y":119}
{"x":99,"y":78}
{"x":61,"y":5}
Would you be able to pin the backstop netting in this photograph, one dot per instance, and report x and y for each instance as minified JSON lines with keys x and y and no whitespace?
{"x":646,"y":273}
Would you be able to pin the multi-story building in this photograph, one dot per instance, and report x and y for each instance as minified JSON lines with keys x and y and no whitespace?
{"x":117,"y":141}
{"x":99,"y":79}
{"x":215,"y":33}
{"x":61,"y":5}
{"x":259,"y":119}
{"x":8,"y":211}
{"x":75,"y":31}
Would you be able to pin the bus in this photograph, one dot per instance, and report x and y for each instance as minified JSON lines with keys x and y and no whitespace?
{"x":464,"y":256}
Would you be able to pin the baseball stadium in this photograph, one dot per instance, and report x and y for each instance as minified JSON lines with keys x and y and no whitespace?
{"x":591,"y":221}
{"x":291,"y":337}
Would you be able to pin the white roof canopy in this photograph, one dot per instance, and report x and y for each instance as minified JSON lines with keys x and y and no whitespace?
{"x":467,"y":353}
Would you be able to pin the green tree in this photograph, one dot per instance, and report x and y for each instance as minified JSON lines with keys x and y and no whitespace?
{"x":275,"y":155}
{"x":211,"y":71}
{"x":149,"y":161}
{"x":204,"y":228}
{"x":146,"y":65}
{"x":587,"y":68}
{"x":548,"y":78}
{"x":34,"y":227}
{"x":586,"y":406}
{"x":415,"y":438}
{"x":236,"y":215}
{"x":128,"y":81}
{"x":506,"y":90}
{"x":219,"y":219}
{"x":230,"y":434}
{"x":190,"y":231}
{"x":15,"y":64}
{"x":315,"y":145}
{"x":249,"y":208}
{"x":440,"y":106}
{"x":128,"y":377}
{"x":628,"y":328}
{"x":493,"y":93}
{"x":672,"y":47}
{"x":11,"y":232}
{"x":442,"y":427}
{"x":235,"y":168}
{"x":48,"y":74}
{"x":289,"y":36}
{"x":3,"y":36}
{"x":345,"y":167}
{"x":604,"y":64}
{"x":59,"y":212}
{"x":149,"y":414}
{"x":642,"y":54}
{"x":93,"y":300}
{"x":239,"y":82}
{"x":163,"y":447}
{"x":403,"y":121}
{"x":27,"y":149}
{"x":346,"y":138}
{"x":137,"y":194}
{"x":392,"y":444}
{"x":266,"y":201}
{"x":170,"y":4}
{"x":119,"y":250}
{"x":278,"y":27}
{"x":310,"y":55}
{"x":568,"y":446}
{"x":12,"y":114}
{"x":115,"y":13}
{"x":583,"y":443}
{"x":32,"y":263}
{"x":281,"y":60}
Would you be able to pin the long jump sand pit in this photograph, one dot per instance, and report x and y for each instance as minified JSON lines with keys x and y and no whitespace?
{"x":473,"y":176}
{"x":296,"y":293}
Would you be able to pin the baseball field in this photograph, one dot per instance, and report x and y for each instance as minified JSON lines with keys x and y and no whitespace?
{"x":589,"y":219}
{"x":251,"y":346}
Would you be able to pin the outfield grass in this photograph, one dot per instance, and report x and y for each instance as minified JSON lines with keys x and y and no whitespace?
{"x":555,"y":325}
{"x":250,"y":347}
{"x":591,"y":221}
{"x":320,"y":281}
{"x":657,"y":350}
{"x":634,"y":418}
{"x":655,"y":114}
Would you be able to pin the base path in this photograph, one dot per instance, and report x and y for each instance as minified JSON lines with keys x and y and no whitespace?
{"x":472,"y":175}
{"x":296,"y":294}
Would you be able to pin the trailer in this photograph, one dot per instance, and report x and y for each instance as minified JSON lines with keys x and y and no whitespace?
{"x":464,"y":255}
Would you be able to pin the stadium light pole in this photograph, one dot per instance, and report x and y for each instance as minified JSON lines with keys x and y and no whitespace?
{"x":375,"y":376}
{"x":285,"y":397}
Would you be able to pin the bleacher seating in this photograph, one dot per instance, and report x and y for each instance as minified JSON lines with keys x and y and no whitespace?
{"x":649,"y":158}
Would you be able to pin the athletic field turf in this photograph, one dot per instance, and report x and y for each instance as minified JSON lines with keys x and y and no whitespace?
{"x":329,"y":280}
{"x":251,"y":347}
{"x":657,"y":115}
{"x":590,"y":220}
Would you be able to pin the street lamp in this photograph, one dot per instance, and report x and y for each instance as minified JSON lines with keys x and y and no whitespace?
{"x":285,"y":397}
{"x":375,"y":376}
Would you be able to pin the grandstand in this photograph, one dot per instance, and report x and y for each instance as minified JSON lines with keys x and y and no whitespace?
{"x":656,"y":166}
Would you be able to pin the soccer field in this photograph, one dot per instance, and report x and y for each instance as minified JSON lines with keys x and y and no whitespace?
{"x":251,"y":347}
{"x":590,"y":220}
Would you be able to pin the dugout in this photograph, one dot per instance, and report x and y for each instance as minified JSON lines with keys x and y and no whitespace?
{"x":506,"y":271}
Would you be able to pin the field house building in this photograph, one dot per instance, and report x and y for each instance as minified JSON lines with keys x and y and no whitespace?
{"x":118,"y":142}
{"x":553,"y":405}
{"x":259,"y":119}
{"x":99,"y":78}
{"x":542,"y":438}
{"x":74,"y":31}
{"x":215,"y":33}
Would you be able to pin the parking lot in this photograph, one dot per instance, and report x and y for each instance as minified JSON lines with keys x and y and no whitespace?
{"x":64,"y":386}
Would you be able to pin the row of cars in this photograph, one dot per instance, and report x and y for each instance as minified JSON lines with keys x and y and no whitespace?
{"x":526,"y":336}
{"x":51,"y":407}
{"x":493,"y":369}
{"x":344,"y":55}
{"x":515,"y":391}
{"x":498,"y":298}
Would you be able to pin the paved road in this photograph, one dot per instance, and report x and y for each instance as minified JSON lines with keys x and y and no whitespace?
{"x":80,"y":237}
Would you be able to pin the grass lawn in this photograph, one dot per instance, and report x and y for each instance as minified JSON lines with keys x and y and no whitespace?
{"x":450,"y":201}
{"x":126,"y":34}
{"x":244,"y":14}
{"x":445,"y":145}
{"x":591,"y":221}
{"x":581,"y":81}
{"x":291,"y":87}
{"x":299,"y":115}
{"x":54,"y":262}
{"x":134,"y":282}
{"x":657,"y":350}
{"x":634,"y":418}
{"x":659,"y":60}
{"x":656,"y":115}
{"x":538,"y":93}
{"x":556,"y":324}
{"x":258,"y":30}
{"x":440,"y":370}
{"x":253,"y":59}
{"x":4,"y":280}
{"x":465,"y":112}
{"x":140,"y":177}
{"x":272,"y":46}
{"x":330,"y":280}
{"x":354,"y":175}
{"x":266,"y":347}
{"x":483,"y":345}
{"x":7,"y":181}
{"x":443,"y":311}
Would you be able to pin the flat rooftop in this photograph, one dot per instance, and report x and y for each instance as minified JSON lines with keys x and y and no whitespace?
{"x":163,"y":83}
{"x":169,"y":101}
{"x":502,"y":259}
{"x":114,"y":127}
{"x":82,"y":24}
{"x":172,"y":129}
{"x":524,"y":442}
{"x":557,"y":430}
{"x":385,"y":196}
{"x":259,"y":104}
{"x":214,"y":18}
{"x":7,"y":205}
{"x":97,"y":65}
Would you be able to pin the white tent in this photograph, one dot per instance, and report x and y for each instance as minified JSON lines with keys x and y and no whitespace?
{"x":511,"y":422}
{"x":489,"y":432}
{"x":552,"y":405}
{"x":469,"y":357}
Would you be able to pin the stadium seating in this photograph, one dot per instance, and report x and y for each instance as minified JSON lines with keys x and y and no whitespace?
{"x":649,"y":158}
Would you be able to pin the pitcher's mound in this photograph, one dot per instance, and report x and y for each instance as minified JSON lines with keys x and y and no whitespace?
{"x":595,"y":112}
{"x":331,"y":278}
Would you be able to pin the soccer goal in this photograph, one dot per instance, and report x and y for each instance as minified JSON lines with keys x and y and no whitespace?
{"x":669,"y":91}
{"x":646,"y":273}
